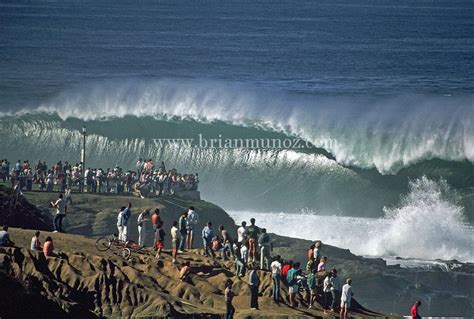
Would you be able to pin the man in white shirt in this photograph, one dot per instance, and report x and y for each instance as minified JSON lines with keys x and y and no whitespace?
{"x":61,"y":209}
{"x":276,"y":278}
{"x":175,"y":236}
{"x":192,"y":221}
{"x":242,"y":232}
{"x":122,"y":221}
{"x":141,"y":221}
{"x":346,"y":298}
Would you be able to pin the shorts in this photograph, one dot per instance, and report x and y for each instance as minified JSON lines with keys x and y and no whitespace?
{"x":175,"y":244}
{"x":190,"y":229}
{"x":293,"y":289}
{"x":159,"y":244}
{"x":312,"y":291}
{"x":346,"y":304}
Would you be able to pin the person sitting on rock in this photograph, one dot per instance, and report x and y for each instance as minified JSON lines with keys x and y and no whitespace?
{"x":185,"y":272}
{"x":35,"y":242}
{"x":5,"y":240}
{"x":48,"y":247}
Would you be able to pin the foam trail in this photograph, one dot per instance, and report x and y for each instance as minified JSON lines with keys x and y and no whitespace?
{"x":387,"y":133}
{"x":427,"y":225}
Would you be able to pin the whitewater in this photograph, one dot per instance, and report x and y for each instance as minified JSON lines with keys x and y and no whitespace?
{"x":383,"y":132}
{"x":426,"y":225}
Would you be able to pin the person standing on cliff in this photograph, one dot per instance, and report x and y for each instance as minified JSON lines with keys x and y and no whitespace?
{"x":254,"y":282}
{"x":335,"y":288}
{"x":182,"y":224}
{"x":122,"y":221}
{"x":253,"y":231}
{"x":207,"y":235}
{"x":414,"y":310}
{"x":242,"y":233}
{"x":192,"y":221}
{"x":276,"y":279}
{"x":346,"y":298}
{"x":264,"y":242}
{"x":174,"y":240}
{"x":229,"y":296}
{"x":61,"y":209}
{"x":141,"y":221}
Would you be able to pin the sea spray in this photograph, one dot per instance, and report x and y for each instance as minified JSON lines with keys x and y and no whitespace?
{"x":427,"y":224}
{"x":388,"y":133}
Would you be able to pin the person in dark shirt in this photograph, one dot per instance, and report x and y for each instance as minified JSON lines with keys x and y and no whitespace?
{"x":252,"y":232}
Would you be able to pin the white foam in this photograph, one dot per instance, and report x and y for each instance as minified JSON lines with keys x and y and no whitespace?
{"x":385,"y":133}
{"x":427,"y":225}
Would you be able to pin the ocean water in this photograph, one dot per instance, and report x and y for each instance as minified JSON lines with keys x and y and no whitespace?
{"x":391,"y":82}
{"x":424,"y":226}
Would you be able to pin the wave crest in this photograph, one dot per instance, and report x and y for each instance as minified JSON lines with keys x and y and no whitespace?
{"x":388,"y":133}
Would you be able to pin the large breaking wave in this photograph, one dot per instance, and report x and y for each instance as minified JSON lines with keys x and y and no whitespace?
{"x":387,"y":133}
{"x":381,"y":141}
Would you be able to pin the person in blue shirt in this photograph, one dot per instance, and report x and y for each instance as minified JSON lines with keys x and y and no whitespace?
{"x":207,"y":235}
{"x":5,"y":240}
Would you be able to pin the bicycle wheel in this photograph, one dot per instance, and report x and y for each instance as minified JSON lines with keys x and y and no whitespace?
{"x":102,"y":244}
{"x":125,"y":253}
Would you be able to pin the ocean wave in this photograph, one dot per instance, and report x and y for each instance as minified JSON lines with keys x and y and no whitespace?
{"x":428,"y":224}
{"x":386,"y":133}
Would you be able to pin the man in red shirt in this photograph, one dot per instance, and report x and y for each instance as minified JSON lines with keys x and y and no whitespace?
{"x":414,"y":310}
{"x":286,"y":267}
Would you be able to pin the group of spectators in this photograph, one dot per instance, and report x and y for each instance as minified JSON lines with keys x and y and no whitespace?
{"x":147,"y":179}
{"x":47,"y":248}
{"x":251,"y":252}
{"x":156,"y":180}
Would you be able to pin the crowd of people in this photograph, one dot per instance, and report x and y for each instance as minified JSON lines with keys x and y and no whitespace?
{"x":250,"y":253}
{"x":148,"y":179}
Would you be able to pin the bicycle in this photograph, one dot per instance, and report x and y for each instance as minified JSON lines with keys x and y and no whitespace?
{"x":117,"y":246}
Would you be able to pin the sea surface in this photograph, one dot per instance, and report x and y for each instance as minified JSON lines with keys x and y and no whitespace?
{"x":391,"y":82}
